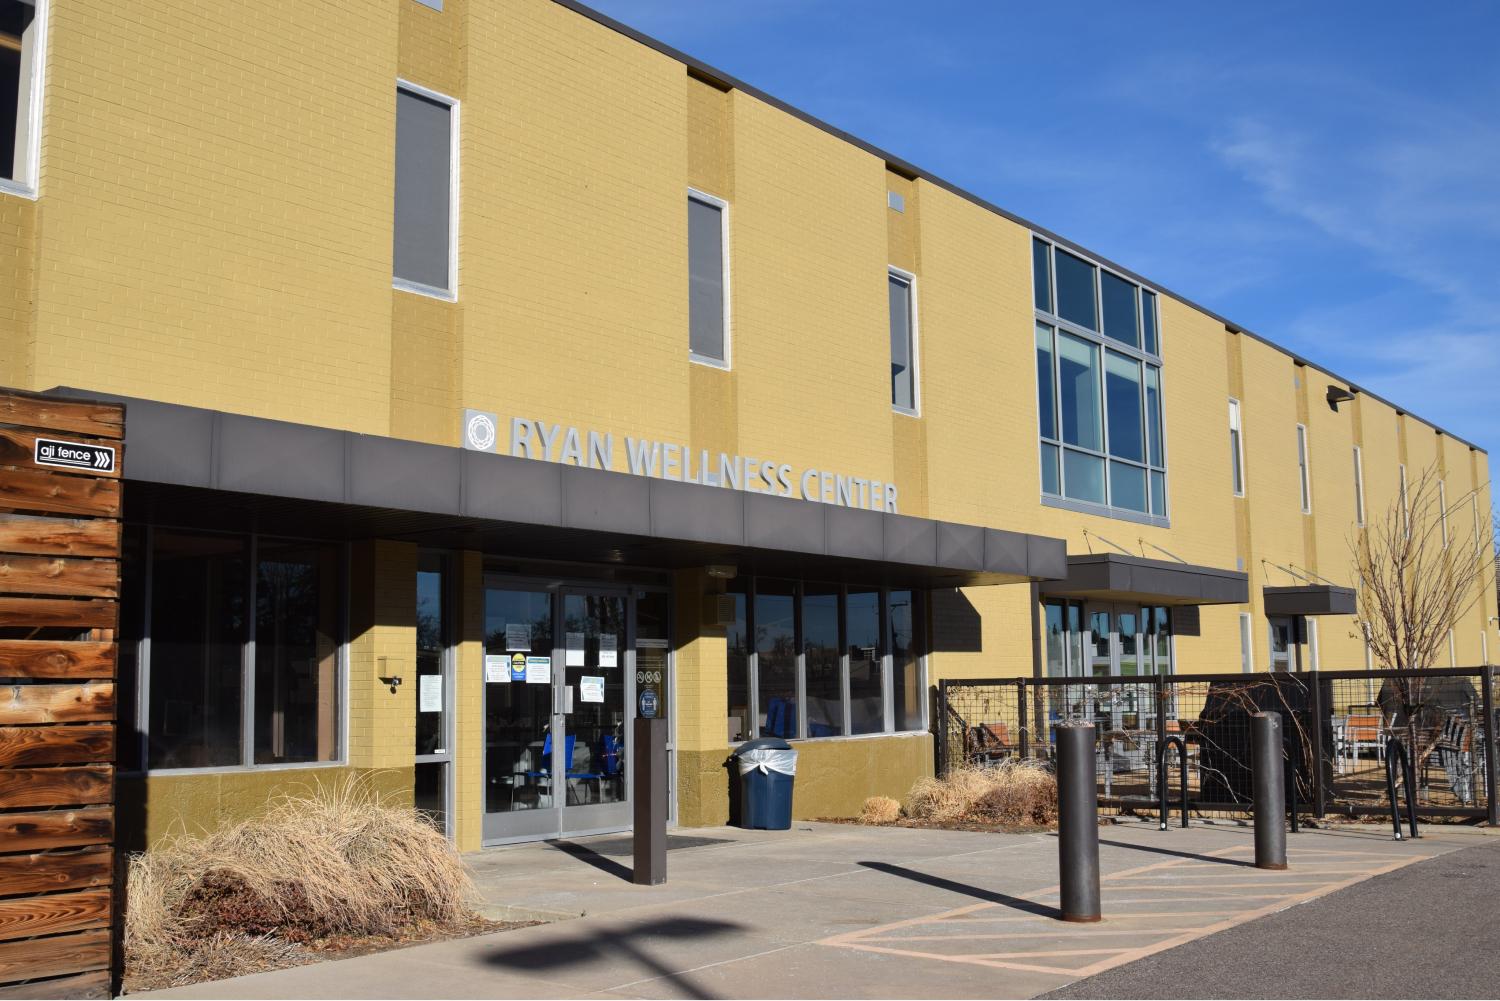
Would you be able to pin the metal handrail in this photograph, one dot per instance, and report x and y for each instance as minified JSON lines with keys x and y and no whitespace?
{"x":1394,"y":749}
{"x":1161,"y":773}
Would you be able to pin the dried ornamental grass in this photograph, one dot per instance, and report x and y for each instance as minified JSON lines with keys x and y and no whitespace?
{"x":880,"y":810}
{"x":1012,"y":792}
{"x":336,"y":861}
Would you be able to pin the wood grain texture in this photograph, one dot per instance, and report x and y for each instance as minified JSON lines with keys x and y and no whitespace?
{"x":82,"y":985}
{"x":50,"y":957}
{"x":98,"y":420}
{"x":56,"y":659}
{"x":92,"y":613}
{"x":34,"y":832}
{"x":41,"y":490}
{"x":30,"y":787}
{"x":54,"y":914}
{"x":44,"y":872}
{"x":22,"y":705}
{"x":59,"y":575}
{"x":25,"y":533}
{"x":56,"y":745}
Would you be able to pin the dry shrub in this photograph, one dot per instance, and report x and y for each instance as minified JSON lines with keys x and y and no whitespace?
{"x":334,"y":861}
{"x":880,"y":810}
{"x":1013,"y":792}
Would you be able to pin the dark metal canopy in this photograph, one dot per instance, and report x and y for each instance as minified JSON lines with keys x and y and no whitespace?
{"x":1309,"y":599}
{"x":191,"y":465}
{"x":1117,"y":577}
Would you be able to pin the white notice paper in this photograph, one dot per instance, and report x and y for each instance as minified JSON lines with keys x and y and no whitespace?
{"x":430,"y":693}
{"x":575,"y":650}
{"x":539,"y":670}
{"x":608,"y":655}
{"x":518,"y":637}
{"x":496,"y":669}
{"x":591,"y":689}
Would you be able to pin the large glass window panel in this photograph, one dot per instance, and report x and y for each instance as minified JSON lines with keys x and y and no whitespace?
{"x":518,"y":625}
{"x":903,"y":354}
{"x":1118,"y":297}
{"x":737,"y":641}
{"x":908,"y":690}
{"x":1057,"y":664}
{"x":1122,"y":377}
{"x":823,"y":683}
{"x":1075,"y":638}
{"x":1148,"y":322}
{"x":431,"y":698}
{"x":296,"y":651}
{"x":199,"y":623}
{"x":424,"y":186}
{"x":429,"y":795}
{"x":1045,"y":391}
{"x":1153,"y":416}
{"x":1050,"y":484}
{"x":1075,"y":290}
{"x":1083,"y":476}
{"x":18,"y":76}
{"x":1041,"y":274}
{"x":1126,"y":628}
{"x":1127,"y":486}
{"x":776,"y":657}
{"x":1158,"y":493}
{"x":594,"y":749}
{"x":862,"y":634}
{"x":706,"y":280}
{"x":1078,"y":377}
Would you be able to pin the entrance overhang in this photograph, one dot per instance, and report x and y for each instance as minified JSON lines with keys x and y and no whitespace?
{"x":284,"y":477}
{"x":1117,"y":577}
{"x":1309,"y":599}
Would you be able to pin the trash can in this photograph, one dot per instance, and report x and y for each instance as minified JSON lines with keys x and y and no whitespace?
{"x":768,"y":767}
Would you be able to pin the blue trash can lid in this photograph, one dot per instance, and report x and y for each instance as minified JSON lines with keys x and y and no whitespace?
{"x":761,"y":744}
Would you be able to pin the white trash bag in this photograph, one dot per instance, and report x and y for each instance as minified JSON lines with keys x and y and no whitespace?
{"x":768,"y":759}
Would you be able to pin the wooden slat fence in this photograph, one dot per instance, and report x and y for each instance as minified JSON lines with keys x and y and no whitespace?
{"x":59,"y":609}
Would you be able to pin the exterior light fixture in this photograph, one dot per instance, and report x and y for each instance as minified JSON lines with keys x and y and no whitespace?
{"x":721,"y":571}
{"x":1337,"y":395}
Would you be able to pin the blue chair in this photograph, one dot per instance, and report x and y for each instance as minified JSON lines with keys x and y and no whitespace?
{"x":546,"y":770}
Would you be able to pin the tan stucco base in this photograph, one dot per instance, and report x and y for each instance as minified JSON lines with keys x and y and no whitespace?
{"x":834,"y":777}
{"x":150,"y":809}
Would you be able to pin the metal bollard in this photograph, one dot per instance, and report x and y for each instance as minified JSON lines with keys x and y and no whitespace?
{"x":648,"y":773}
{"x":1270,"y":790}
{"x":1077,"y":823}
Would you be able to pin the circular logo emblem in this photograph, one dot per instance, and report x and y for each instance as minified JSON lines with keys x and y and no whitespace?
{"x":648,"y":704}
{"x":481,"y":432}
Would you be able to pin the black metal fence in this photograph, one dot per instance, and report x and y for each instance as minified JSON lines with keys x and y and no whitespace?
{"x":1336,"y":728}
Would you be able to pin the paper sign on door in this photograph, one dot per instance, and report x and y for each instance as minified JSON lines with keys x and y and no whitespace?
{"x":608,"y":655}
{"x":518,"y":636}
{"x":430,"y":693}
{"x":539,"y":670}
{"x":591,"y":689}
{"x":496,"y":669}
{"x":575,"y":650}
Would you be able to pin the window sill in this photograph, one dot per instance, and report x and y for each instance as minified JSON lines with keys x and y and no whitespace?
{"x":794,"y":741}
{"x":290,"y":766}
{"x":9,"y":187}
{"x":707,"y":362}
{"x":906,"y":412}
{"x":429,"y":291}
{"x":1104,"y":511}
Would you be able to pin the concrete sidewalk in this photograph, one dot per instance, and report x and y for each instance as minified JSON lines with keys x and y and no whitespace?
{"x":828,"y":910}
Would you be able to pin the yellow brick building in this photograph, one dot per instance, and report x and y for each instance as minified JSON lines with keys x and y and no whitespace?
{"x":364,"y":270}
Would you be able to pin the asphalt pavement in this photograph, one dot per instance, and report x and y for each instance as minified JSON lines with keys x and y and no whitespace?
{"x":1429,"y":930}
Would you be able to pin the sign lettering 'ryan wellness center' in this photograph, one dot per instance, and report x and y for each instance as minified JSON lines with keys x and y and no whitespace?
{"x":672,"y":461}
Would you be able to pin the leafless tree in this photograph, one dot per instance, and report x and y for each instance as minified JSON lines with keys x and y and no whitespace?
{"x":1420,"y":567}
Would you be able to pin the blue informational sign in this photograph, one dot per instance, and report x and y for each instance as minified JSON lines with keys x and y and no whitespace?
{"x":518,"y":667}
{"x":648,"y":704}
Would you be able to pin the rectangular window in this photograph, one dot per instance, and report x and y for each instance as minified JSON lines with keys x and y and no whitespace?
{"x":821,"y":662}
{"x":426,"y":217}
{"x":737,"y":644}
{"x":1302,"y":472}
{"x":776,"y":657}
{"x":1236,"y":450}
{"x":866,"y":675}
{"x":1359,"y":487}
{"x":1099,"y":395}
{"x":243,"y":662}
{"x":22,"y":23}
{"x":1443,"y":509}
{"x":1247,"y":655}
{"x":903,"y":341}
{"x":708,"y":279}
{"x":908,"y":684}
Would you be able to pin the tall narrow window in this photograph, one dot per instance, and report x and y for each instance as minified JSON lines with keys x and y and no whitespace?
{"x":866,"y":676}
{"x":903,"y":341}
{"x":297,"y":608}
{"x":21,"y":46}
{"x":823,"y":684}
{"x":1405,"y":504}
{"x":1359,"y":487}
{"x":776,"y":656}
{"x":708,"y":279}
{"x":1236,"y":450}
{"x":425,"y":255}
{"x":1247,"y":655}
{"x":1046,"y":399}
{"x":1302,"y":473}
{"x":1443,"y":509}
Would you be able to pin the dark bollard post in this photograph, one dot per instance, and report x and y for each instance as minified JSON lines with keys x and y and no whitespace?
{"x":1077,"y":823}
{"x":648,"y":774}
{"x":1270,"y":791}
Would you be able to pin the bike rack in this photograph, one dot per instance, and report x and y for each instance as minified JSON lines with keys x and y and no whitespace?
{"x":1161,"y":776}
{"x":1394,"y":749}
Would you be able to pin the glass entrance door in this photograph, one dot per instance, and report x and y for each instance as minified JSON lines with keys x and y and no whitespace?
{"x":559,"y":700}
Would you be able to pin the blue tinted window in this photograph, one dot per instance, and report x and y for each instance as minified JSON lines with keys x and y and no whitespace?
{"x":1078,"y":374}
{"x":1148,"y":321}
{"x":1075,"y":290}
{"x":1158,"y":493}
{"x":1046,"y":401}
{"x":1049,"y":469}
{"x":1153,"y":414}
{"x":1118,"y":296}
{"x":1041,"y":274}
{"x":1127,"y":486}
{"x":1085,"y":476}
{"x":1122,"y":377}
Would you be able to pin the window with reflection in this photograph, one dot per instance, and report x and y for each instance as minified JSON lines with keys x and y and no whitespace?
{"x":820,"y":654}
{"x":776,"y":656}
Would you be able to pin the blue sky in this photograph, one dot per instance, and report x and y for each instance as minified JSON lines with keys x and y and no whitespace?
{"x":1327,"y":175}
